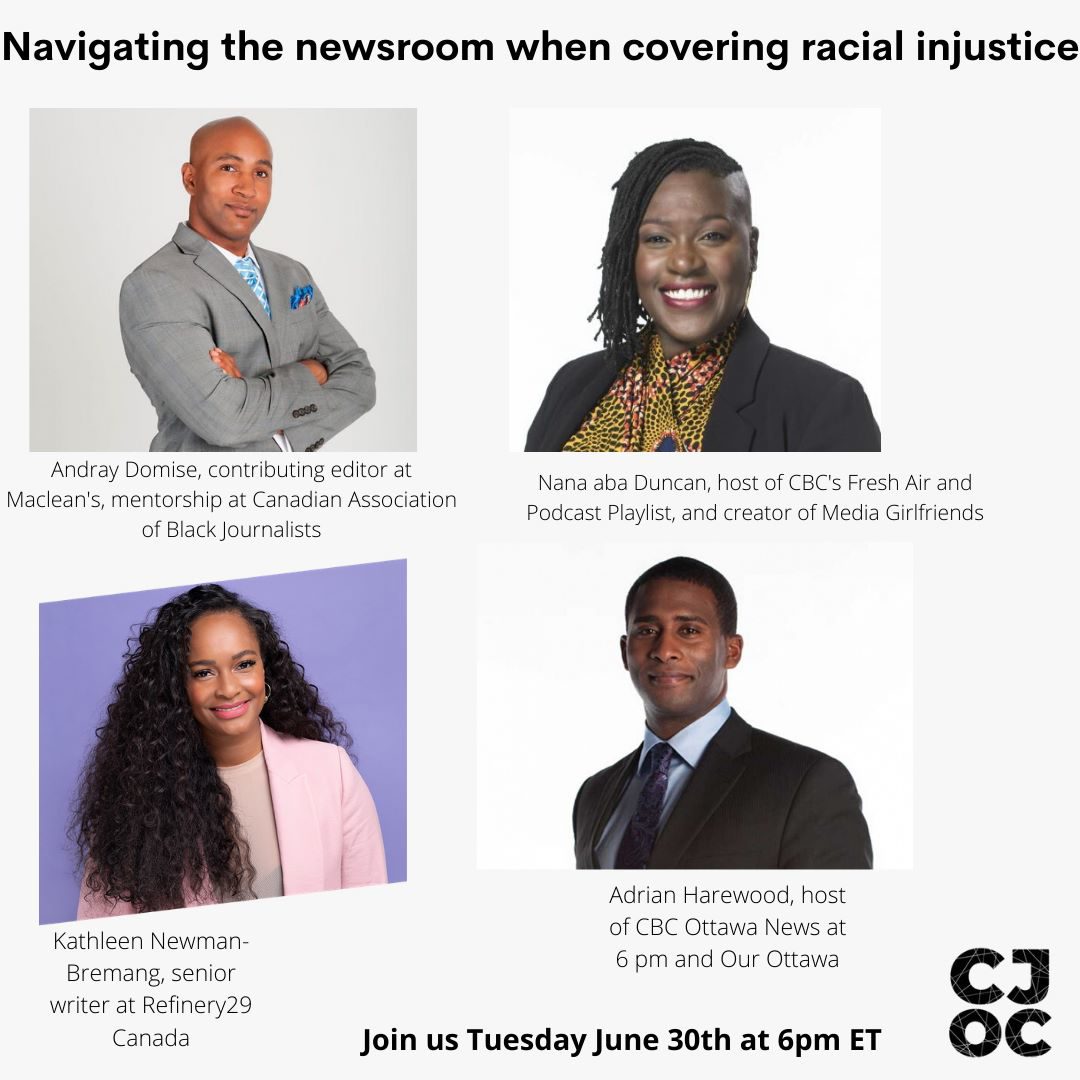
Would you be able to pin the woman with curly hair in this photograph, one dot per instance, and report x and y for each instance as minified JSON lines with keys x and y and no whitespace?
{"x":218,"y":774}
{"x":684,"y":367}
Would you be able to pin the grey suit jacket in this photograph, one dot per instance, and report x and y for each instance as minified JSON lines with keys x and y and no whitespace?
{"x":755,"y":802}
{"x":187,"y":298}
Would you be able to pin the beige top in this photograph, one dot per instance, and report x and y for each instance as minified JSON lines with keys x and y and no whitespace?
{"x":249,"y":785}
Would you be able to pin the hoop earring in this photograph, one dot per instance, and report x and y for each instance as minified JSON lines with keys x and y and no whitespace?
{"x":267,"y":697}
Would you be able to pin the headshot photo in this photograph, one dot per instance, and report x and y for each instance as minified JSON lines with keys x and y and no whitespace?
{"x":197,"y":325}
{"x":707,"y":770}
{"x":705,"y":789}
{"x":216,"y":750}
{"x":699,"y":235}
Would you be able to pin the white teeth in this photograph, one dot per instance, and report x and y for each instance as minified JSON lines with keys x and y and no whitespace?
{"x":686,"y":294}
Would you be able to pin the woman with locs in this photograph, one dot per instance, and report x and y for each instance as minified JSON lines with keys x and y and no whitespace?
{"x":684,"y":367}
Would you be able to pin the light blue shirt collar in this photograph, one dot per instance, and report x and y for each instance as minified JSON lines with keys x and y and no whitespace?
{"x":690,"y":743}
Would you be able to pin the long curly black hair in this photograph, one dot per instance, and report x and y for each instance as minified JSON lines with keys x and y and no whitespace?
{"x":153,"y":822}
{"x":618,"y":309}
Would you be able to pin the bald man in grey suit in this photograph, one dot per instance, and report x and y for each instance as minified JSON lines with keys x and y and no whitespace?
{"x":232,"y":357}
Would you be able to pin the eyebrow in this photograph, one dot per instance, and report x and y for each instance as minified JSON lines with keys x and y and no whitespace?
{"x":677,"y":618}
{"x":701,"y":220}
{"x":236,"y":656}
{"x":237,"y":157}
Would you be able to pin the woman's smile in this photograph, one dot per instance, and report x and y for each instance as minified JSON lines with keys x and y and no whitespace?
{"x":231,"y":712}
{"x":684,"y":298}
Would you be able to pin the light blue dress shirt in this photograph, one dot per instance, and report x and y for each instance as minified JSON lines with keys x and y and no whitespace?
{"x":689,"y":744}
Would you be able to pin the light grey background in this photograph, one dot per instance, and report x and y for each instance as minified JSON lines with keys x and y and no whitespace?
{"x":105,"y":193}
{"x":978,"y":304}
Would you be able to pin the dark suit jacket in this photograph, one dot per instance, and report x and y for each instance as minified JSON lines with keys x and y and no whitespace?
{"x":769,"y":399}
{"x":755,"y":802}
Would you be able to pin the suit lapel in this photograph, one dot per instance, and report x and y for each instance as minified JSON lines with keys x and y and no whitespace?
{"x":726,"y":429}
{"x":212,"y":263}
{"x":299,"y":839}
{"x":278,"y":289}
{"x":621,"y":775}
{"x":716,"y":774}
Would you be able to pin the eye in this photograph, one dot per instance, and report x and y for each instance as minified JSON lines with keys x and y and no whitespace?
{"x":227,"y":167}
{"x":262,"y":174}
{"x":645,"y":631}
{"x":654,"y":240}
{"x":690,"y":631}
{"x":245,"y":664}
{"x":201,"y":673}
{"x":715,"y":237}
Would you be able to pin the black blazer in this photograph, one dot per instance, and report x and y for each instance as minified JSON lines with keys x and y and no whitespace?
{"x":755,"y":802}
{"x":769,"y":399}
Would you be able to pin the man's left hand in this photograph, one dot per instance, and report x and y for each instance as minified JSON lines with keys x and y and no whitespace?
{"x":317,"y":369}
{"x":226,"y":362}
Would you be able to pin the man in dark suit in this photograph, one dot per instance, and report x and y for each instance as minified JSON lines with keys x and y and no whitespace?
{"x":706,"y":790}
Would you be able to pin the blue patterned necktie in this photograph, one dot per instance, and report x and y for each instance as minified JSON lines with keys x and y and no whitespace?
{"x":640,"y":836}
{"x":249,"y":271}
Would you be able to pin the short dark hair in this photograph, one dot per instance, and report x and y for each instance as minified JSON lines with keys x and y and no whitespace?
{"x":618,"y":309}
{"x":683,"y":568}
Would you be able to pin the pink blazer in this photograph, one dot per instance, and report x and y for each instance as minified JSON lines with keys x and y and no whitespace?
{"x":327,"y":826}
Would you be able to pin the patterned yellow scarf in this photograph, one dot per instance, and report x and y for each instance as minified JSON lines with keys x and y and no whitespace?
{"x":658,"y":404}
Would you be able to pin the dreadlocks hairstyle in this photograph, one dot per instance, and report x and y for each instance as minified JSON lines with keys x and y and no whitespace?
{"x":153,"y":822}
{"x":618,"y":309}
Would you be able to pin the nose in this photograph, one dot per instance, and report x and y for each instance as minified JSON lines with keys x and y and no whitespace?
{"x":685,"y":259}
{"x":244,"y":185}
{"x":666,"y":646}
{"x":228,"y":687}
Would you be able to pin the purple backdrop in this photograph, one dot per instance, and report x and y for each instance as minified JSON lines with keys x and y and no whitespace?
{"x":345,"y":625}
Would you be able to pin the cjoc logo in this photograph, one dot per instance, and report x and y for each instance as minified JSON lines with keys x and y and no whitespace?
{"x":1038,"y":962}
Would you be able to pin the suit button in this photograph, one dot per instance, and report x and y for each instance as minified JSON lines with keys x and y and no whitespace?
{"x":296,"y":414}
{"x":314,"y":408}
{"x":272,"y":374}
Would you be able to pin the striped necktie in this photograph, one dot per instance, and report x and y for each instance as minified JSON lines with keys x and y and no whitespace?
{"x":249,"y":271}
